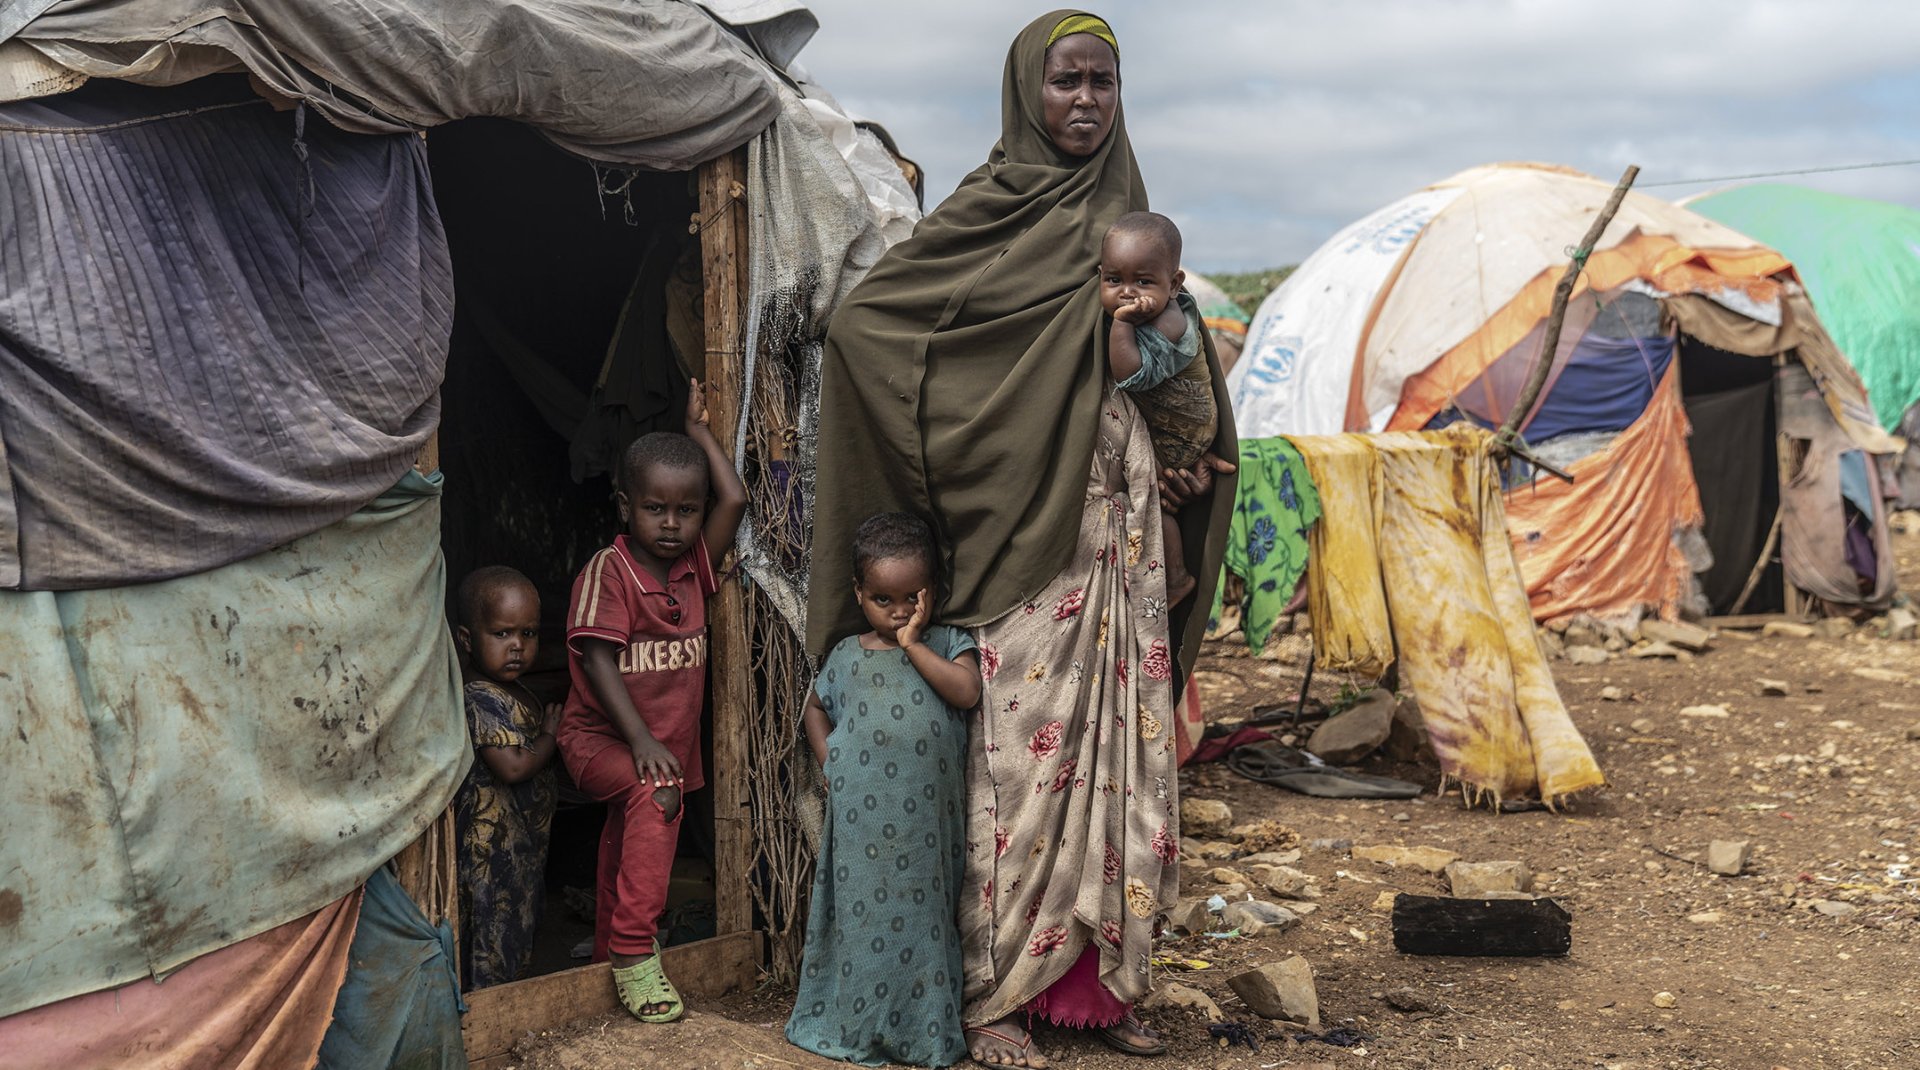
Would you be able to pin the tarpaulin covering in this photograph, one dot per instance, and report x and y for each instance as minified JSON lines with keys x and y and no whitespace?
{"x":1814,"y":524}
{"x":191,"y":762}
{"x":400,"y":1004}
{"x":1603,"y":545}
{"x":1423,"y":511}
{"x":260,"y":1004}
{"x":220,"y":329}
{"x":641,"y":83}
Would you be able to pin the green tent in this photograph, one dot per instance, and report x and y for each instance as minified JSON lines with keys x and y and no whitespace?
{"x":1860,"y":261}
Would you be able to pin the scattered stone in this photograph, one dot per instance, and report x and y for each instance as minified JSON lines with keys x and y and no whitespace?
{"x":1774,"y":687}
{"x":1223,"y":875}
{"x":1431,"y":859}
{"x":1902,"y":624}
{"x":1191,"y":916}
{"x":1913,"y":732}
{"x":1352,"y":734}
{"x":1280,"y":990}
{"x":1728,"y":858}
{"x":1716,"y":710}
{"x":1643,"y":725}
{"x":1410,"y":1000}
{"x":1787,"y":629}
{"x":1881,"y":676}
{"x":1551,"y":645}
{"x":1476,"y":880}
{"x":1407,"y":737}
{"x":1383,"y":903}
{"x":1612,"y":694}
{"x":1286,"y":882}
{"x":1678,"y":633}
{"x":1204,"y":817}
{"x":1834,"y":909}
{"x":1706,"y":917}
{"x":1272,"y":858}
{"x":1302,"y":907}
{"x":1655,"y":650}
{"x":1614,"y":644}
{"x":1175,"y":994}
{"x":1335,"y":845}
{"x":1588,"y":655}
{"x":1665,"y":1000}
{"x":1833,"y":627}
{"x":1578,"y":635}
{"x":1253,"y":917}
{"x":1266,"y":835}
{"x":1403,"y":817}
{"x":1208,"y":850}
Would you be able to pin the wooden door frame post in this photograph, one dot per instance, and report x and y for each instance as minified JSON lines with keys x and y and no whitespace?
{"x":722,"y":226}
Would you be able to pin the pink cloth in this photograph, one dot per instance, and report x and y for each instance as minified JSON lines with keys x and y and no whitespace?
{"x":260,"y":1004}
{"x":1078,"y":1000}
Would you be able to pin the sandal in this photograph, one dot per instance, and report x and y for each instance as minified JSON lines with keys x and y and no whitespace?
{"x":645,"y":984}
{"x":1118,"y":1041}
{"x":1025,"y":1050}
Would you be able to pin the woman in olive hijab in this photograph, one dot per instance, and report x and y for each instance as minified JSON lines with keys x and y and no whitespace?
{"x":966,"y":380}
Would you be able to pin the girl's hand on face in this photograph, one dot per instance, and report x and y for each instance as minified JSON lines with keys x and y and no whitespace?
{"x":1141,"y":309}
{"x":916,"y":627}
{"x":696,"y":404}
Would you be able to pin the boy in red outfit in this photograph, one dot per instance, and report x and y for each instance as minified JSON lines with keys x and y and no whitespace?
{"x":637,"y":655}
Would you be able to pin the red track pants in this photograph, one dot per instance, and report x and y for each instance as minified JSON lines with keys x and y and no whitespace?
{"x":636,"y":854}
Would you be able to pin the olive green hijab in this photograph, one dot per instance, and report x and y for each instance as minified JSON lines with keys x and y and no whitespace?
{"x":963,"y":377}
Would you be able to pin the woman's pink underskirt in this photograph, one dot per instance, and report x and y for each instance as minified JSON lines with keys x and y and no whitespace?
{"x":1078,"y":1000}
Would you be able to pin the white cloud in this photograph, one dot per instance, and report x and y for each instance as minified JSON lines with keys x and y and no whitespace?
{"x":1264,"y":127}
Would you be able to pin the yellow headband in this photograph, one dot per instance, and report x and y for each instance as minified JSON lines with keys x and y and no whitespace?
{"x":1092,"y":24}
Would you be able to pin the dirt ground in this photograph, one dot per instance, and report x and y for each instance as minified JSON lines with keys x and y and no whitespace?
{"x":1821,"y":781}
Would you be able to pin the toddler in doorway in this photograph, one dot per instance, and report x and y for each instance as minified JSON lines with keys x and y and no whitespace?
{"x":637,"y":659}
{"x":504,"y":809}
{"x":881,"y":980}
{"x":1155,"y":353}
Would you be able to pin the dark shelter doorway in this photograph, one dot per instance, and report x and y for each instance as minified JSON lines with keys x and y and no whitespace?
{"x":576,"y":328}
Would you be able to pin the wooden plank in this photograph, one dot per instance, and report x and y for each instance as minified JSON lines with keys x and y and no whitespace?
{"x":1436,"y":925}
{"x":500,"y":1015}
{"x":723,"y":246}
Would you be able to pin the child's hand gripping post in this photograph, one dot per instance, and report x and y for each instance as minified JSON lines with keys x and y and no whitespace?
{"x":729,"y":494}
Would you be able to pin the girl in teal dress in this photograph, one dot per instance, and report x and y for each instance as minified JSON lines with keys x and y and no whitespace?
{"x":881,"y":980}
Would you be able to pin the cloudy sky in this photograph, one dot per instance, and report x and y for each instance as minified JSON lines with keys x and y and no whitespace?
{"x":1263,"y":126}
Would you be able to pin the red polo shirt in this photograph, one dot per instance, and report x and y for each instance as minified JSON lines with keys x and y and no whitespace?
{"x":662,"y":633}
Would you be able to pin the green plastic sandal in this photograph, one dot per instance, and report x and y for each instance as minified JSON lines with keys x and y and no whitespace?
{"x":645,"y":984}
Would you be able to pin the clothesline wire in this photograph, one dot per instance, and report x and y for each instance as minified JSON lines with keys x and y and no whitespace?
{"x":1782,"y":174}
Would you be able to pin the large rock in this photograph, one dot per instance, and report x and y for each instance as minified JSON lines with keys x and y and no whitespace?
{"x":1204,"y":817}
{"x":1191,"y":916}
{"x":1175,"y":994}
{"x":1208,"y":850}
{"x":1282,"y":991}
{"x":1678,"y":633}
{"x":1728,"y":858}
{"x":1407,"y":737}
{"x":1285,"y":882}
{"x":1253,"y":917}
{"x":1431,"y":859}
{"x":1352,"y":734}
{"x":1479,"y":880}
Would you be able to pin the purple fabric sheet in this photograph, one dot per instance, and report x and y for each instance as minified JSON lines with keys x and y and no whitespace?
{"x":222,"y":327}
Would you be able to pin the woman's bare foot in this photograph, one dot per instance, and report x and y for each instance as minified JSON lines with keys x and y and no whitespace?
{"x":1003,"y":1043}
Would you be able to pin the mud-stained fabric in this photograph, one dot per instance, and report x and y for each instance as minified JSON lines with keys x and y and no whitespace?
{"x":1072,"y":823}
{"x":1345,"y":599}
{"x":263,"y":1002}
{"x":1604,"y":544}
{"x":222,"y":328}
{"x":1458,"y":611}
{"x":192,"y":762}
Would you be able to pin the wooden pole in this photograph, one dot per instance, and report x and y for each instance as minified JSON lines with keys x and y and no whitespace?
{"x":722,"y":227}
{"x":1507,"y":440}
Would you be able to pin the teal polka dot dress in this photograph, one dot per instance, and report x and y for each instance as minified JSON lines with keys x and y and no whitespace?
{"x":880,"y":981}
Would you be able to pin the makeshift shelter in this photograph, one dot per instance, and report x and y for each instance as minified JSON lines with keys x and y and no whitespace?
{"x":1860,"y":261}
{"x":235,"y":277}
{"x":1432,"y":310}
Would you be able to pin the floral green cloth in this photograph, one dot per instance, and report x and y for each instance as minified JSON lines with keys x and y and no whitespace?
{"x":1273,"y":508}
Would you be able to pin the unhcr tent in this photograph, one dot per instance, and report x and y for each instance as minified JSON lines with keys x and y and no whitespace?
{"x":1860,"y":261}
{"x":273,"y":365}
{"x":1432,"y":310}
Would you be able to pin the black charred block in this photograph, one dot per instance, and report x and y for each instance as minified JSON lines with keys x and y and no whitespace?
{"x":1434,"y":925}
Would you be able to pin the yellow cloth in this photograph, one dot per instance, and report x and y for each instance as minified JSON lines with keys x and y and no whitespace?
{"x":1092,"y":24}
{"x":1414,"y":522}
